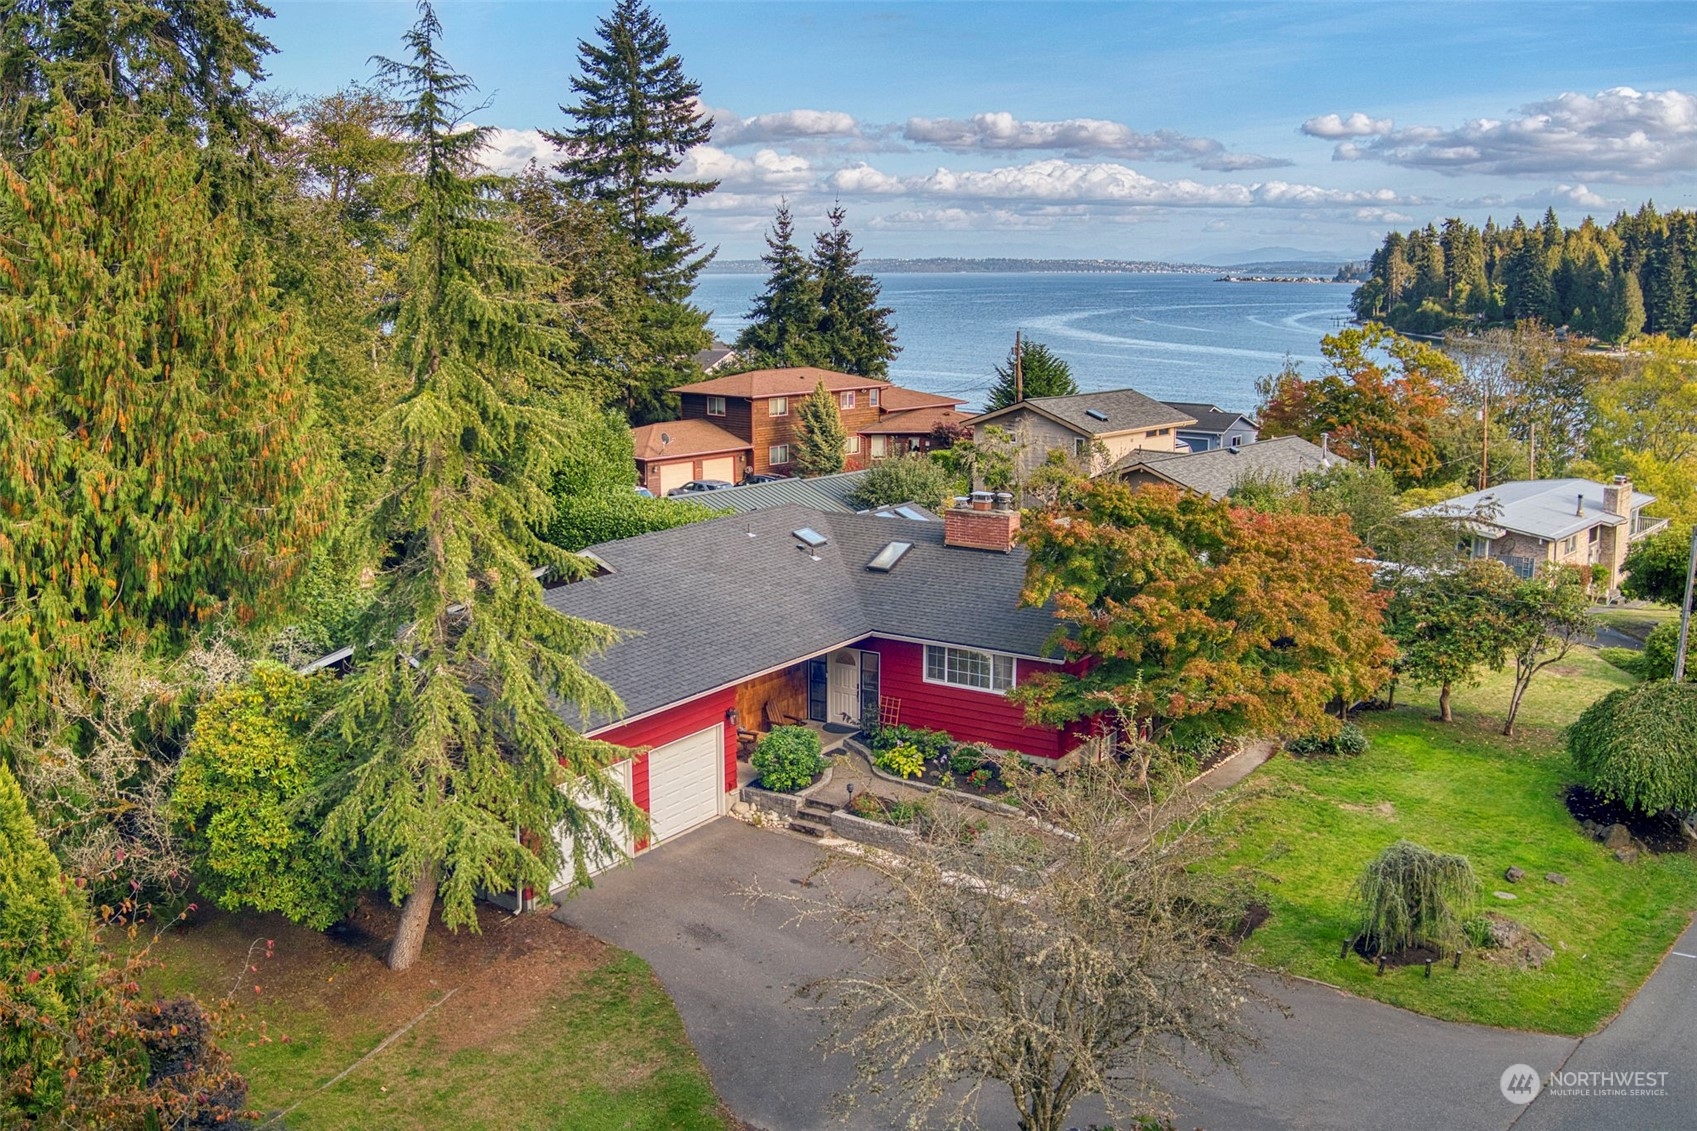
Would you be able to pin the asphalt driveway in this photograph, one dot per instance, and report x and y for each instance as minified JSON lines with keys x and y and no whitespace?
{"x":1337,"y":1062}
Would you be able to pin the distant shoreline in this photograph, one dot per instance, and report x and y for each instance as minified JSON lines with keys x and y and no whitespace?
{"x":1292,"y":271}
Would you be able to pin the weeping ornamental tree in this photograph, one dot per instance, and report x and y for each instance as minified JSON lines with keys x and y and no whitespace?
{"x":461,"y":668}
{"x":1638,"y":746}
{"x":1409,"y":895}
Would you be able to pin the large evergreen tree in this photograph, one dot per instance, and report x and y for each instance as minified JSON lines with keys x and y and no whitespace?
{"x":636,"y":116}
{"x":820,"y":439}
{"x":461,"y":667}
{"x":783,"y":324}
{"x":156,"y":471}
{"x":855,"y":334}
{"x":1041,"y":374}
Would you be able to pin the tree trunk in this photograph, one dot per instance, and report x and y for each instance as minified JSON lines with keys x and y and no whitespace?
{"x":415,"y":918}
{"x":1390,"y":695}
{"x":1514,"y":704}
{"x":1444,"y":703}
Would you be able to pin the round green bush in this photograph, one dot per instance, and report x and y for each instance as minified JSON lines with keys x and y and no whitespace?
{"x":1638,"y":746}
{"x":1350,"y":740}
{"x":788,"y":759}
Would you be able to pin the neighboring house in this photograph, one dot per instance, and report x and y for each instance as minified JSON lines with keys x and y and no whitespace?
{"x":1098,"y":429}
{"x":1534,"y":524}
{"x":793,"y":615}
{"x":671,"y":454}
{"x":762,"y":408}
{"x":715,"y":359}
{"x":1216,"y":472}
{"x":1215,"y":427}
{"x":823,"y":493}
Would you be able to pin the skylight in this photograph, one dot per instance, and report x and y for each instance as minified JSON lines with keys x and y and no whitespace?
{"x":886,"y":559}
{"x":909,"y":512}
{"x":809,"y":537}
{"x":1095,"y":414}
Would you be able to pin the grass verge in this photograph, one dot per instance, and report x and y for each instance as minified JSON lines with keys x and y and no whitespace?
{"x":546,"y":1027}
{"x":1305,"y":829}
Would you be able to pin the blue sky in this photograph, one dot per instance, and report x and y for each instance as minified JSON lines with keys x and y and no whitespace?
{"x":1113,"y":130}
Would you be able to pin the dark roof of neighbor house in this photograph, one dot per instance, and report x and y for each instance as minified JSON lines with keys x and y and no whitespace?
{"x":1217,"y":471}
{"x":823,"y":492}
{"x":796,"y":381}
{"x":1209,"y":417}
{"x":688,"y":438}
{"x":1103,"y":413}
{"x":1544,"y":508}
{"x":897,"y":399}
{"x":707,"y":605}
{"x":918,"y":421}
{"x":709,"y":360}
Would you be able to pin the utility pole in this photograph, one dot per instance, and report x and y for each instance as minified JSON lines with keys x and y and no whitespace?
{"x":1532,"y":450}
{"x":1485,"y":437}
{"x":1685,"y":613}
{"x":1018,"y":370}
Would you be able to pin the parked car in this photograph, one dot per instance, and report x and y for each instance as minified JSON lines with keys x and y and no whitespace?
{"x":644,"y":492}
{"x":753,"y":478}
{"x":697,"y":485}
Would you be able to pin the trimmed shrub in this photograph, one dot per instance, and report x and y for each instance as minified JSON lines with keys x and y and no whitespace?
{"x":1660,"y":648}
{"x":1350,"y":740}
{"x":1638,"y":746}
{"x":903,"y":761}
{"x":967,"y":758}
{"x":788,"y":759}
{"x":930,"y":743}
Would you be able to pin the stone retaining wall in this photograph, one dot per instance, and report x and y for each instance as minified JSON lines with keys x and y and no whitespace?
{"x":876,"y":833}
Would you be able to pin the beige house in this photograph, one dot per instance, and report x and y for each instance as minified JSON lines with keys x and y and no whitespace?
{"x":1096,"y":429}
{"x":1533,"y":525}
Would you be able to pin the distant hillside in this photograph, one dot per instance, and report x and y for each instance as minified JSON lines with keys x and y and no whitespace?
{"x":947,"y":265}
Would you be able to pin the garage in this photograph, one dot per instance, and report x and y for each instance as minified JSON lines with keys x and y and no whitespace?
{"x":686,"y":782}
{"x":673,"y":476}
{"x":723,"y":467}
{"x":620,"y":773}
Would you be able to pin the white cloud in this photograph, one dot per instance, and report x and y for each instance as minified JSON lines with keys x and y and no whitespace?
{"x":766,"y":171}
{"x":509,"y":151}
{"x":1331,"y":126}
{"x":862,"y":179}
{"x":970,"y":219}
{"x":1381,"y":216}
{"x":784,"y":125}
{"x":1077,"y":137}
{"x":1619,"y":134}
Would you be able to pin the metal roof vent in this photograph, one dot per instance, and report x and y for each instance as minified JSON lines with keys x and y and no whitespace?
{"x":1095,"y":414}
{"x":885,"y":560}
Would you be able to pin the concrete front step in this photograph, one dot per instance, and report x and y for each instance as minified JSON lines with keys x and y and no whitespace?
{"x":812,"y":823}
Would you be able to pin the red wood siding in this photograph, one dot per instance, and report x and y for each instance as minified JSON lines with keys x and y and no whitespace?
{"x":669,"y":725}
{"x":967,"y":714}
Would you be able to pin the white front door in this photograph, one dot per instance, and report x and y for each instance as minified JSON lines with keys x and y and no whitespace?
{"x":844,"y":667}
{"x":686,"y":782}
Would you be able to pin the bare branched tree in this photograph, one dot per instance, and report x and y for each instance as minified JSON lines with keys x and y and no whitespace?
{"x":1075,"y":956}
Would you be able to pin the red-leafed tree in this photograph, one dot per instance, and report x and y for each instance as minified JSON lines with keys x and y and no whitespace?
{"x":1378,"y":399}
{"x":1197,"y":618}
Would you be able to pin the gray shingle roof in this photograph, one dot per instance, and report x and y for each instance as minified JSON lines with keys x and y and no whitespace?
{"x":824,"y":492}
{"x":1217,"y":471}
{"x":709,"y":606}
{"x":1543,"y":508}
{"x":1125,"y":410}
{"x":1209,"y":418}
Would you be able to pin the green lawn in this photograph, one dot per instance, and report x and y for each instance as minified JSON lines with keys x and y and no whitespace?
{"x":1634,"y":620}
{"x":546,"y":1028}
{"x":1305,"y":829}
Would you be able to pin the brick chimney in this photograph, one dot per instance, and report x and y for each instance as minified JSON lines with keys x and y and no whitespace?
{"x":1617,"y":497}
{"x":982,"y":521}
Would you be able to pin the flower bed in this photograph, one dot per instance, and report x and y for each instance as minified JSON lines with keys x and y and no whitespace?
{"x":934,"y":758}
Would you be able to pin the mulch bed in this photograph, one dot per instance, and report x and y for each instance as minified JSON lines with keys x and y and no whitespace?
{"x":1661,"y":833}
{"x":1408,"y":956}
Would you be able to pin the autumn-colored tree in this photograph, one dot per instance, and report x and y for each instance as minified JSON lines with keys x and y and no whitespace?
{"x":1646,"y":425}
{"x":462,"y":672}
{"x":1200,"y":617}
{"x":156,"y":469}
{"x":1378,"y":400}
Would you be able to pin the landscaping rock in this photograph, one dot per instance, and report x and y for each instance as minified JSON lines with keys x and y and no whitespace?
{"x":1617,"y":836}
{"x":1515,"y":941}
{"x":1505,"y":895}
{"x":1628,"y":854}
{"x":1556,"y":878}
{"x":741,"y":810}
{"x":1592,"y":829}
{"x":1514,"y":875}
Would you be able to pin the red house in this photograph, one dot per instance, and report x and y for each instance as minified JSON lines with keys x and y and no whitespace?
{"x":795,"y":615}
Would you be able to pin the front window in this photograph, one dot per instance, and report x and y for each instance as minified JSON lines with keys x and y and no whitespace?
{"x":715,"y":406}
{"x":846,"y":399}
{"x":852,"y":445}
{"x":1079,"y":446}
{"x":968,"y":667}
{"x":872,"y":397}
{"x":778,"y":406}
{"x":1570,"y":545}
{"x":778,"y":454}
{"x":880,"y":447}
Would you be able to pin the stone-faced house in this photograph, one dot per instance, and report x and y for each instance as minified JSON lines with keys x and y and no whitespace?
{"x":1098,"y":429}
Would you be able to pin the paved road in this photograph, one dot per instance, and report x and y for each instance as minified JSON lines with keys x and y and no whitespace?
{"x":1337,"y":1062}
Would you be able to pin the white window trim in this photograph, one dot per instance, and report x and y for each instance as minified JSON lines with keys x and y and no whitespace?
{"x":773,"y":406}
{"x":785,"y":448}
{"x":872,"y":398}
{"x":1013,"y":664}
{"x":852,"y":444}
{"x":710,"y":401}
{"x":845,"y":399}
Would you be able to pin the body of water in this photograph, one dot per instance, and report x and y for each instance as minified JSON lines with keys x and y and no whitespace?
{"x":1175,"y":337}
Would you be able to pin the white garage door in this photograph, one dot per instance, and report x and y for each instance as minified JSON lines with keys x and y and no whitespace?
{"x":673,"y":475}
{"x":685,"y":782}
{"x":620,"y":773}
{"x":723,"y":468}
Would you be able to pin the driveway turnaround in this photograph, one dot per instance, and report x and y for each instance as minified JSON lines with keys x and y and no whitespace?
{"x":1336,"y":1062}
